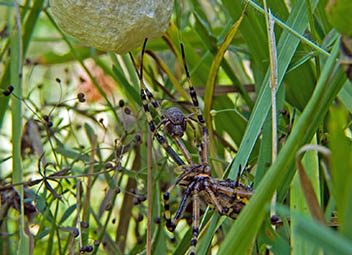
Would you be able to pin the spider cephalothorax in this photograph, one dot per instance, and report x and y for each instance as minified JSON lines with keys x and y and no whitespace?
{"x":175,"y":124}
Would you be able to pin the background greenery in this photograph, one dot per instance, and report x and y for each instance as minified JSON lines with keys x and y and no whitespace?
{"x":96,"y":154}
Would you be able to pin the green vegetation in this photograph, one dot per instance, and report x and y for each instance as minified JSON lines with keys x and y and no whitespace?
{"x":74,"y":137}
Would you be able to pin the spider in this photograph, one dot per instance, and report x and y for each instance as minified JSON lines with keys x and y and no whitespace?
{"x":226,"y":196}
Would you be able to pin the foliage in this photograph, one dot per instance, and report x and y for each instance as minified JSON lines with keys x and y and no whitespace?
{"x":74,"y":137}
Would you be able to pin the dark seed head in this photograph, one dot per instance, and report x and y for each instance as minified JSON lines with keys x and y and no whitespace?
{"x":121,"y":103}
{"x":84,"y":224}
{"x":75,"y":232}
{"x":127,"y":110}
{"x":58,"y":80}
{"x":274,"y":219}
{"x":81,"y":97}
{"x":89,"y":248}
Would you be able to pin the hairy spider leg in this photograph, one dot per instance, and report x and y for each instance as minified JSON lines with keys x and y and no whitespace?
{"x":195,"y":218}
{"x":171,"y":223}
{"x":183,"y":149}
{"x":152,"y":127}
{"x":216,"y":203}
{"x":195,"y":103}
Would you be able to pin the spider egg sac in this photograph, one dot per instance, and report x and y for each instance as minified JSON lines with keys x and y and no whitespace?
{"x":114,"y":25}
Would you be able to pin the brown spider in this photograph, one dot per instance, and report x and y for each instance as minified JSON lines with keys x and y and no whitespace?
{"x":226,"y":196}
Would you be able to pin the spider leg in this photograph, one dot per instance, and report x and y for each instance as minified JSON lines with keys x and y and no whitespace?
{"x":162,"y":141}
{"x":162,"y":122}
{"x":183,"y":149}
{"x":187,"y":170}
{"x":190,"y":120}
{"x":200,"y":148}
{"x":235,"y":192}
{"x":195,"y":217}
{"x":145,"y":103}
{"x":213,"y":198}
{"x":192,"y":91}
{"x":171,"y":224}
{"x":146,"y":95}
{"x":195,"y":102}
{"x":154,"y":102}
